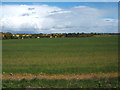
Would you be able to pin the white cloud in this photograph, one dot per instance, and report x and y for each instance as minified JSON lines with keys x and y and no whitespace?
{"x":51,"y":19}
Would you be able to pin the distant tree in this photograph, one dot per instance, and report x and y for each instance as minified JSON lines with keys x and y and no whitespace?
{"x":8,"y":35}
{"x":82,"y":33}
{"x":91,"y":34}
{"x":78,"y":34}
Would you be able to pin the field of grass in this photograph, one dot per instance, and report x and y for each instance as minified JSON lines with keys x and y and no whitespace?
{"x":60,"y":56}
{"x":88,"y":83}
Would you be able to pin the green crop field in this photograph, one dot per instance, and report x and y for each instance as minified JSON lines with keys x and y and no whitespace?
{"x":60,"y":56}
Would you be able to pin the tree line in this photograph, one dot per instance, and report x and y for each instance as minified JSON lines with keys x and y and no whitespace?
{"x":9,"y":35}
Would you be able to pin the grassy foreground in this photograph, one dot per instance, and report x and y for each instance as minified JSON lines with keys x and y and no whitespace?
{"x":43,"y":83}
{"x":61,"y":55}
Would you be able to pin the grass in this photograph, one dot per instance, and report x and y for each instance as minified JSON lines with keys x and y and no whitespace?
{"x":60,"y":55}
{"x":43,"y":83}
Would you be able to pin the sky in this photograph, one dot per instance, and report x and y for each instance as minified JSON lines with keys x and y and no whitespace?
{"x":59,"y":17}
{"x":59,"y":0}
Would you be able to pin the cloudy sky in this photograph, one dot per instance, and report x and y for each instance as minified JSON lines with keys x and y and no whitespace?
{"x":59,"y":17}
